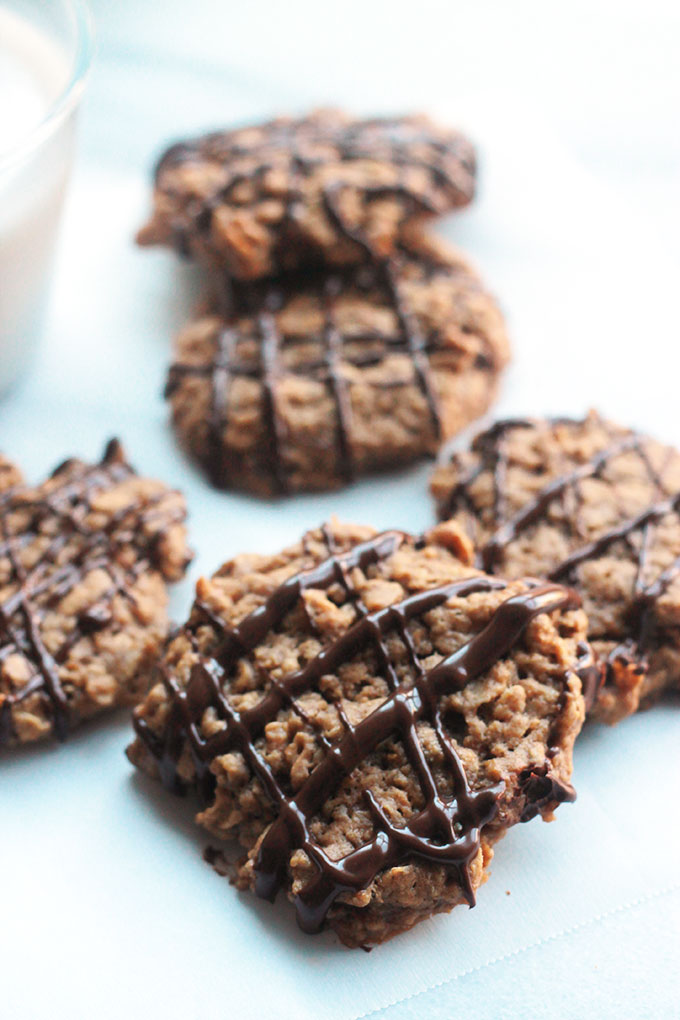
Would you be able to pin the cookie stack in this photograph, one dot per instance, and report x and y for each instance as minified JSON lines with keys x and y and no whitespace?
{"x":341,"y":340}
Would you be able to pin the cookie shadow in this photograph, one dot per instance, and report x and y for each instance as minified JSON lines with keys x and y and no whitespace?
{"x":86,"y":736}
{"x":276,"y":919}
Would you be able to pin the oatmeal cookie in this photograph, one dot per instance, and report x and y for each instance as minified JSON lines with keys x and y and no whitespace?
{"x":590,"y":504}
{"x":304,"y":383}
{"x":84,"y":560}
{"x":367,"y":714}
{"x":326,"y":187}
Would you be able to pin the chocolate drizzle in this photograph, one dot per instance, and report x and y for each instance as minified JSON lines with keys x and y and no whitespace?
{"x":251,"y":312}
{"x":564,"y":490}
{"x":34,"y":589}
{"x":446,"y":830}
{"x":532,"y":511}
{"x":540,"y":788}
{"x":435,"y":172}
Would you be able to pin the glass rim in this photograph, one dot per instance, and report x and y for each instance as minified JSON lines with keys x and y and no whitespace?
{"x":68,"y":97}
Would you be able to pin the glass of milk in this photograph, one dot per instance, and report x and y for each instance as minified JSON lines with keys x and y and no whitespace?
{"x":45,"y":53}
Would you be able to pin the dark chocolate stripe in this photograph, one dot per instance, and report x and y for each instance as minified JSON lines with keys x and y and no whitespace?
{"x":536,"y":508}
{"x":652,"y":515}
{"x":338,"y":384}
{"x":270,"y":340}
{"x":415,"y":343}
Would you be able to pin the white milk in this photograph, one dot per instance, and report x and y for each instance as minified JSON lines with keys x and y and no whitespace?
{"x":34,"y":72}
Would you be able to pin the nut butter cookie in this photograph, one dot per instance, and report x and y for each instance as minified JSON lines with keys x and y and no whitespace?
{"x":367,"y":714}
{"x":306,"y":382}
{"x":261,"y":200}
{"x":589,"y":504}
{"x":84,"y":561}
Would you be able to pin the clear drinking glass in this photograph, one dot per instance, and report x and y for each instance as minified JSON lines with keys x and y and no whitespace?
{"x":45,"y":54}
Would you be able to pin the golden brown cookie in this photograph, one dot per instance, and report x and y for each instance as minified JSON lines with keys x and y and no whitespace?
{"x":84,"y":560}
{"x":367,"y":715}
{"x":590,"y":504}
{"x":260,"y":200}
{"x":307,"y":382}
